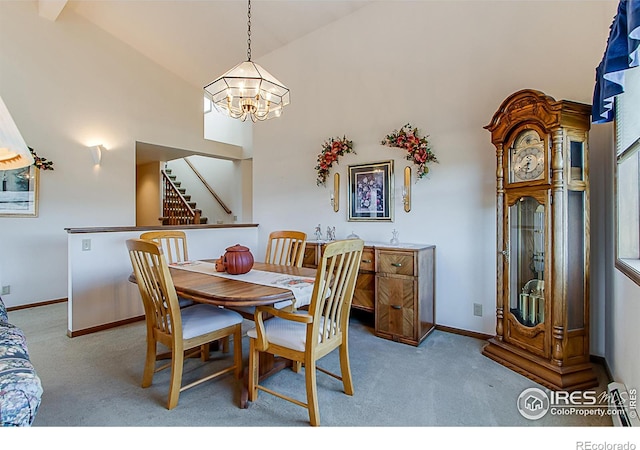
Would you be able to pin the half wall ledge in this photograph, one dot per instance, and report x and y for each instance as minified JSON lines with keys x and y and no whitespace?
{"x":100,"y":293}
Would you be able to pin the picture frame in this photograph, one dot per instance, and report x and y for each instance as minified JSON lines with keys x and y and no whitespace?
{"x":19,"y":192}
{"x":370,"y":192}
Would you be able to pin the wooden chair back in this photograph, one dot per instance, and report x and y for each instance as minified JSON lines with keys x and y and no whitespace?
{"x":159,"y":297}
{"x":286,"y":248}
{"x":332,"y":294}
{"x":173,"y":243}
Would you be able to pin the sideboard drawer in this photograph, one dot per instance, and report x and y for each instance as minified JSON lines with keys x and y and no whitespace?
{"x":396,"y":262}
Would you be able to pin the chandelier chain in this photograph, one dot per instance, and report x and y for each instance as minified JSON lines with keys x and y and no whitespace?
{"x":249,"y":32}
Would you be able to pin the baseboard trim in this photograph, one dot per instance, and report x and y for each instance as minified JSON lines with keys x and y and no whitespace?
{"x":473,"y":334}
{"x":103,"y":327}
{"x":33,"y":305}
{"x":601,"y":360}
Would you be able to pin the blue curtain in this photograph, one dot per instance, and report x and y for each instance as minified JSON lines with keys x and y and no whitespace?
{"x":622,"y":53}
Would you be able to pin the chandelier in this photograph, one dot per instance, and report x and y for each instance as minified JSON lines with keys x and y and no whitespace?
{"x":248,"y":90}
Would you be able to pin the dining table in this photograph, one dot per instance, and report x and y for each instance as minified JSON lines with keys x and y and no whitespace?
{"x":230,"y":292}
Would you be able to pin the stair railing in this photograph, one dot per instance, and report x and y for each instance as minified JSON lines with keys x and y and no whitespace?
{"x":175,"y":209}
{"x":218,"y":199}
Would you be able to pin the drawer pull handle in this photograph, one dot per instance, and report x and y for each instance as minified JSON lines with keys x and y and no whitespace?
{"x":366,"y":261}
{"x":396,"y":307}
{"x":396,"y":264}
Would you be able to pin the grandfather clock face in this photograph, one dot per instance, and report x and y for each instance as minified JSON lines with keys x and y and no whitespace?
{"x":526,"y":158}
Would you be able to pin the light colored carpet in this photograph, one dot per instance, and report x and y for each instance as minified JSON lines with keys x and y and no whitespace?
{"x":94,"y":381}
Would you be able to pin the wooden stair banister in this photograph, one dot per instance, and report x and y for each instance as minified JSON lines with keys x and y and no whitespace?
{"x":175,"y":209}
{"x":218,"y":199}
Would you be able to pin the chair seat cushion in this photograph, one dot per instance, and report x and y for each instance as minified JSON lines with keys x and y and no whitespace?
{"x":201,"y":319}
{"x":184,"y":302}
{"x":285,"y":333}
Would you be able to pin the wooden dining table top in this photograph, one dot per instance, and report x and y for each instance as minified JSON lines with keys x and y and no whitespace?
{"x":206,"y":288}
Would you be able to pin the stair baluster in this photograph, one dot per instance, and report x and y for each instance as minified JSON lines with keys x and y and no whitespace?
{"x":175,"y":208}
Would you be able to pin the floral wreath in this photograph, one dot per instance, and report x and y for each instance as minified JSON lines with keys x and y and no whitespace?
{"x":331,"y":149}
{"x":41,"y":163}
{"x":417,"y":147}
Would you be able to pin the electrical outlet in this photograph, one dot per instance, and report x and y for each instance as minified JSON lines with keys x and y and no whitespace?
{"x":477,"y":309}
{"x":86,"y":245}
{"x":6,"y":290}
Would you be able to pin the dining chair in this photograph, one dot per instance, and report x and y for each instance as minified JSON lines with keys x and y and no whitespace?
{"x":173,"y":242}
{"x":286,"y":248}
{"x":307,"y":336}
{"x":174,"y":247}
{"x":182,"y":330}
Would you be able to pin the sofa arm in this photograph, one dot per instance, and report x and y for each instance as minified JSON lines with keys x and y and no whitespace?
{"x":20,"y":386}
{"x":3,"y":312}
{"x":20,"y":393}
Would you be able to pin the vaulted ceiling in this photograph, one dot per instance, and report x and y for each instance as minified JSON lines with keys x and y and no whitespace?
{"x":198,"y":40}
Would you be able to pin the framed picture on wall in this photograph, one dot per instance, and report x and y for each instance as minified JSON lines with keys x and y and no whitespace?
{"x":370,"y":192}
{"x":19,"y":192}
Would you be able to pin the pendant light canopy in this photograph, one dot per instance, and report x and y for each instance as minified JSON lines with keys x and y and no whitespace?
{"x":14,"y":153}
{"x":248,"y":90}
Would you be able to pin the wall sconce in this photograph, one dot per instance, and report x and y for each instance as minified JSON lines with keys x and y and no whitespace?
{"x":406,"y":189}
{"x":96,"y":153}
{"x":335,"y":193}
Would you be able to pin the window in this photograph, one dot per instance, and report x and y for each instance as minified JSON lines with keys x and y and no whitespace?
{"x":628,"y":176}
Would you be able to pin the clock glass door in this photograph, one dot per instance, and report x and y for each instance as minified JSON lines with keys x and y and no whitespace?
{"x":526,"y":261}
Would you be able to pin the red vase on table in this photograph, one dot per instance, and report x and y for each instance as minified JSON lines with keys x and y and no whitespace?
{"x":237,"y":260}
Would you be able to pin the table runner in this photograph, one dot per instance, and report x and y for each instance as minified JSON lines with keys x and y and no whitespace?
{"x":301,"y":287}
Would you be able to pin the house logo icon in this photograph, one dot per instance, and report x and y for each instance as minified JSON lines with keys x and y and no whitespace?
{"x":533,"y":403}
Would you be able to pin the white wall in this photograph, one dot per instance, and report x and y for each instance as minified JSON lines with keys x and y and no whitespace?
{"x":445,"y":67}
{"x":99,"y":290}
{"x":224,"y":178}
{"x":221,"y":128}
{"x":68,"y":85}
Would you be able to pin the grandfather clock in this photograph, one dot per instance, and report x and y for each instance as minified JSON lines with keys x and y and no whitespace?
{"x":542,"y":329}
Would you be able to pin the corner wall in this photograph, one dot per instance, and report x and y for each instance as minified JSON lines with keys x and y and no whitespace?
{"x":391,"y":63}
{"x":69,"y":85}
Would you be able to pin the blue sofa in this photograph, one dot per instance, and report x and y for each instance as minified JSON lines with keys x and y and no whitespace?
{"x":20,"y":386}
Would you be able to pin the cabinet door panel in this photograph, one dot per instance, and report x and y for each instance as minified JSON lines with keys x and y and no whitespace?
{"x":310,"y":259}
{"x":395,"y":309}
{"x":365,"y":292}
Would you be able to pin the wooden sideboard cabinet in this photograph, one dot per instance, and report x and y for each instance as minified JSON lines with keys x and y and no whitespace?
{"x":397,"y":284}
{"x":405,"y":293}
